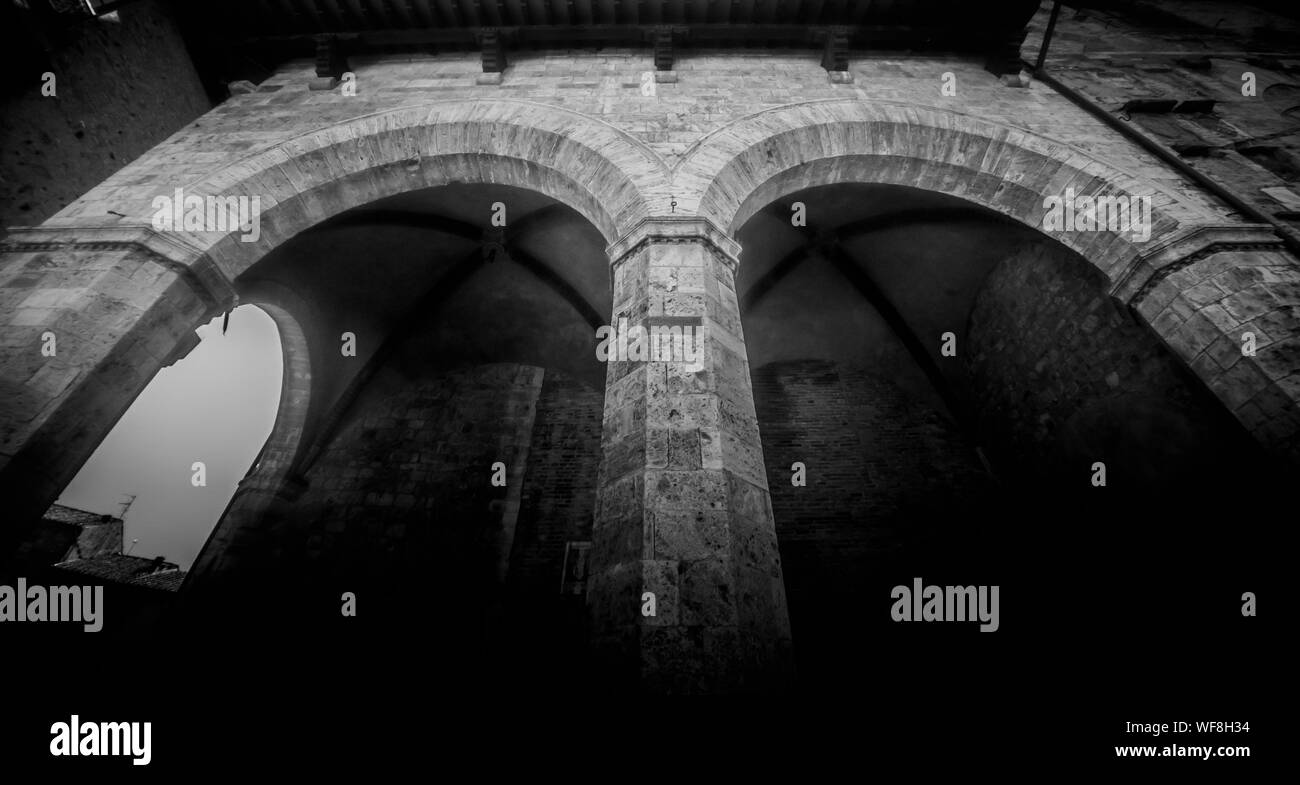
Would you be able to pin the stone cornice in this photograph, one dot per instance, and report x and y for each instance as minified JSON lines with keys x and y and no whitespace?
{"x":165,"y":249}
{"x":1171,"y":255}
{"x":675,"y":229}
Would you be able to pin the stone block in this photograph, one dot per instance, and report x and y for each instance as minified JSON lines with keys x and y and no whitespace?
{"x":707,"y":594}
{"x":691,"y":535}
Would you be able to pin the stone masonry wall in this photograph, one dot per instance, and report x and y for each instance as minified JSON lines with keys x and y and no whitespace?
{"x":401,"y":496}
{"x":120,"y":89}
{"x":1059,"y":370}
{"x":713,"y":90}
{"x":683,"y":507}
{"x":1230,"y":90}
{"x":683,"y":123}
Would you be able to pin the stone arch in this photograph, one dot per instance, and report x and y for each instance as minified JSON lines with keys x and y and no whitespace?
{"x":600,"y":171}
{"x":738,"y":169}
{"x":274,"y":461}
{"x":276,"y":457}
{"x":274,"y":464}
{"x":774,"y":153}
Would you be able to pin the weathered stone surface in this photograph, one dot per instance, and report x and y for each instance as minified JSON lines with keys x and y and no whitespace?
{"x":665,"y":179}
{"x":1215,"y":295}
{"x":700,"y":433}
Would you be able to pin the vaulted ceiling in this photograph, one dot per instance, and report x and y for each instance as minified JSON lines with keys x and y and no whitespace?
{"x":429,"y":280}
{"x":875,"y":276}
{"x":424,"y":280}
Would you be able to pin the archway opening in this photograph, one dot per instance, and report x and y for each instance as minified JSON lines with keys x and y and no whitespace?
{"x":948,"y":378}
{"x":136,"y":515}
{"x":448,"y":462}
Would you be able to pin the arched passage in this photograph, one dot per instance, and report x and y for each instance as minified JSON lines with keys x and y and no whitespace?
{"x":298,"y":183}
{"x":294,"y":408}
{"x":599,"y":171}
{"x":949,"y":466}
{"x":1009,"y":171}
{"x":446,"y":350}
{"x":174,"y":458}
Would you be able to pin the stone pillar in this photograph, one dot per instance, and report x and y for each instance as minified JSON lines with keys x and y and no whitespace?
{"x":683,"y":509}
{"x":119,"y":303}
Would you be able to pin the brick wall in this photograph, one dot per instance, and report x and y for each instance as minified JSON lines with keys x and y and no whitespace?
{"x":891,"y":483}
{"x":559,"y":492}
{"x":404,"y":485}
{"x":556,"y":507}
{"x":399,"y":506}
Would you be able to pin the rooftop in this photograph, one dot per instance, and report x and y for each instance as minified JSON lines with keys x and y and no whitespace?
{"x":61,"y":514}
{"x":139,"y":571}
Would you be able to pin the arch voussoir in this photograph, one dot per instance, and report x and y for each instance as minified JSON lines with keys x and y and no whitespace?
{"x":1008,"y":170}
{"x":600,"y":171}
{"x":773,"y":154}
